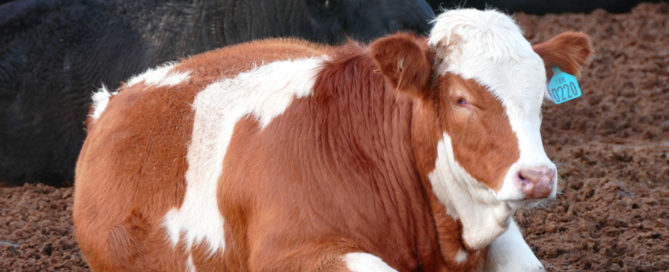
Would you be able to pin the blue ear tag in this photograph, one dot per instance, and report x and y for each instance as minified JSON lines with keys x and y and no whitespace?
{"x":563,"y":87}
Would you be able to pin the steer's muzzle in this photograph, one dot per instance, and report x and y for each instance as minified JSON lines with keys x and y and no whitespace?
{"x":536,"y":182}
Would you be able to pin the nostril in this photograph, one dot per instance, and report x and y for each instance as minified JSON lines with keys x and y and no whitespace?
{"x":536,"y":182}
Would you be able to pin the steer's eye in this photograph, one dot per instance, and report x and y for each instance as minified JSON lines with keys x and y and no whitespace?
{"x":461,"y":100}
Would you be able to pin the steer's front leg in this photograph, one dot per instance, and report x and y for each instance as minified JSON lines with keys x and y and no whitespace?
{"x":510,"y":252}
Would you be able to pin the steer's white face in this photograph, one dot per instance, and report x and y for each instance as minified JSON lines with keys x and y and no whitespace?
{"x":490,"y":159}
{"x":478,"y":87}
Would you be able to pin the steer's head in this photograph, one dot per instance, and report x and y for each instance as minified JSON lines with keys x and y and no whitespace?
{"x":478,"y":86}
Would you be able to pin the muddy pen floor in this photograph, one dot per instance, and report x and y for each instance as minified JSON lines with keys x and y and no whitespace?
{"x":611,"y":147}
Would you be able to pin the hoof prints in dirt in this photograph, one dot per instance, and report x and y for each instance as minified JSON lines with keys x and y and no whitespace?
{"x":610,"y":145}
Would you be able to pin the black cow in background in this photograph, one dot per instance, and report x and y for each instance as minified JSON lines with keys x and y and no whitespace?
{"x":541,"y":7}
{"x":55,"y":53}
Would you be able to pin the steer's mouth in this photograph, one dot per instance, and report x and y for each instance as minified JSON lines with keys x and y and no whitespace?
{"x":526,"y":203}
{"x":528,"y":193}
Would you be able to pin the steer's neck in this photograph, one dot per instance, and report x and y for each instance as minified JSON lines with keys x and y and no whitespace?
{"x":365,"y":127}
{"x":363,"y":140}
{"x":367,"y":137}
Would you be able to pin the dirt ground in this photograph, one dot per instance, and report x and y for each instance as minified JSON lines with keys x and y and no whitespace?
{"x":611,"y":147}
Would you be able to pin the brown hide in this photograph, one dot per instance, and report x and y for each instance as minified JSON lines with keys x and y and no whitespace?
{"x":568,"y":50}
{"x":333,"y":174}
{"x":131,"y":168}
{"x":343,"y":170}
{"x":482,"y":139}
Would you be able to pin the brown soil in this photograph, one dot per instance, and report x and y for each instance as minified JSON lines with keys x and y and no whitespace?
{"x":611,"y":147}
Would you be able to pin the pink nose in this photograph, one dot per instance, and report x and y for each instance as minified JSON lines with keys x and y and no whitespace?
{"x":536,"y":182}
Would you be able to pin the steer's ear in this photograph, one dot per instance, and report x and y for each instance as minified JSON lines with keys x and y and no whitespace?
{"x":569,"y":51}
{"x":404,"y":62}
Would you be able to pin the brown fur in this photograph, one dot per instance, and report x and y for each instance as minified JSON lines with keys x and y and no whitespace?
{"x":487,"y":156}
{"x":568,"y":50}
{"x":344,"y":170}
{"x":143,"y":136}
{"x":403,"y":61}
{"x":296,"y":209}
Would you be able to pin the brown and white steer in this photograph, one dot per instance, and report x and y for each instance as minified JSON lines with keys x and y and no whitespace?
{"x":280,"y":155}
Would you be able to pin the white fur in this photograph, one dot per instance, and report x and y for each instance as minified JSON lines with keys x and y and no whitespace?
{"x":190,"y":266}
{"x":527,"y":128}
{"x":160,"y":76}
{"x":482,"y":215}
{"x":489,"y":47}
{"x":100,"y":101}
{"x":264,"y":92}
{"x":461,"y":256}
{"x":509,"y":253}
{"x":365,"y":262}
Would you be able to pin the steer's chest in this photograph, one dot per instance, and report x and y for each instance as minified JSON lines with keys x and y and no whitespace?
{"x":454,"y":253}
{"x":468,"y":260}
{"x":458,"y":258}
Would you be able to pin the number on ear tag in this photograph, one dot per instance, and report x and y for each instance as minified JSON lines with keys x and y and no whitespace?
{"x":563,"y":87}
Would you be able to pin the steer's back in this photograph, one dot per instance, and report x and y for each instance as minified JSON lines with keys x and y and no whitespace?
{"x":131,"y":176}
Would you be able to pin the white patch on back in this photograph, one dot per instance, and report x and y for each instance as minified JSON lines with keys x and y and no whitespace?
{"x":510,"y":252}
{"x":363,"y":262}
{"x":100,"y":101}
{"x":160,"y":76}
{"x":264,"y":93}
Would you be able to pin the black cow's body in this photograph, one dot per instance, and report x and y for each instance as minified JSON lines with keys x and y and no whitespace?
{"x":542,"y":6}
{"x":54,"y":54}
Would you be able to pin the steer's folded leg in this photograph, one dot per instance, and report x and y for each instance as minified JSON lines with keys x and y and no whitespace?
{"x":363,"y":262}
{"x":510,"y":252}
{"x":329,"y":255}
